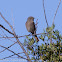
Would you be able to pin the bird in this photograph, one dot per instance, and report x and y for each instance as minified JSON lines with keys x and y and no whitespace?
{"x":30,"y":25}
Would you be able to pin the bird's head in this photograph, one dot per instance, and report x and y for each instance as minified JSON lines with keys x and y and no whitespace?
{"x":31,"y":18}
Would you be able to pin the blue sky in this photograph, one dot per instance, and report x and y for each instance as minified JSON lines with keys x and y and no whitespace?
{"x":18,"y":11}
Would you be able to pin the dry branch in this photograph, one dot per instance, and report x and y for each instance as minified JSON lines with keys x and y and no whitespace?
{"x":7,"y":22}
{"x":10,"y":51}
{"x":6,"y":29}
{"x":25,"y":35}
{"x":16,"y":37}
{"x":56,"y":11}
{"x":13,"y":55}
{"x":45,"y":13}
{"x":8,"y":47}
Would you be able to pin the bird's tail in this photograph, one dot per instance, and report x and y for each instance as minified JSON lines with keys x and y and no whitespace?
{"x":36,"y":38}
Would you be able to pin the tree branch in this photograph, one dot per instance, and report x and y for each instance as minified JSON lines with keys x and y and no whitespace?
{"x":7,"y":22}
{"x":56,"y":11}
{"x":8,"y":47}
{"x":11,"y":56}
{"x":10,"y":51}
{"x":25,"y":35}
{"x":16,"y":37}
{"x":45,"y":13}
{"x":6,"y":29}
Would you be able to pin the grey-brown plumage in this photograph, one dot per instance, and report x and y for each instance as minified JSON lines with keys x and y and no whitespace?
{"x":30,"y":25}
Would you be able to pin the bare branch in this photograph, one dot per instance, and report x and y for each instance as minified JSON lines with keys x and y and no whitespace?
{"x":8,"y":47}
{"x":45,"y":13}
{"x":6,"y":36}
{"x":13,"y":55}
{"x":25,"y":35}
{"x":23,"y":48}
{"x":17,"y":41}
{"x":14,"y":34}
{"x":13,"y":20}
{"x":7,"y":22}
{"x":56,"y":11}
{"x":16,"y":37}
{"x":6,"y":29}
{"x":10,"y":51}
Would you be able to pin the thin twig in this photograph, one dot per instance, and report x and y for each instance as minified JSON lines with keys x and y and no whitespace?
{"x":8,"y":47}
{"x":11,"y":56}
{"x":10,"y":51}
{"x":25,"y":35}
{"x":13,"y":20}
{"x":45,"y":13}
{"x":6,"y":29}
{"x":7,"y":36}
{"x":16,"y":37}
{"x":7,"y":22}
{"x":23,"y":49}
{"x":56,"y":11}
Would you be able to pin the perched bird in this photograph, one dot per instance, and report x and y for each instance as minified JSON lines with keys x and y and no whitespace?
{"x":30,"y":25}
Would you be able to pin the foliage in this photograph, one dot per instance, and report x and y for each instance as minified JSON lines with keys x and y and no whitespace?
{"x":51,"y":51}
